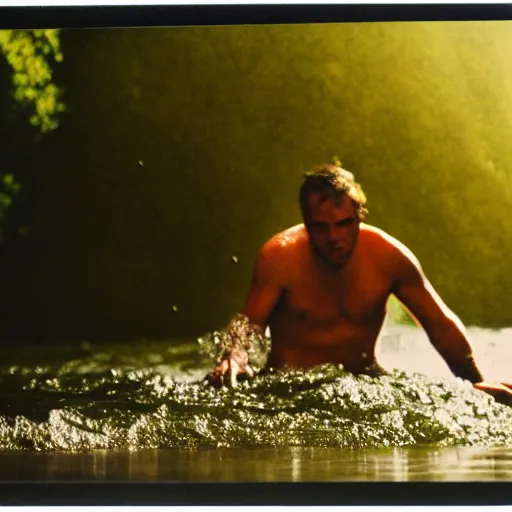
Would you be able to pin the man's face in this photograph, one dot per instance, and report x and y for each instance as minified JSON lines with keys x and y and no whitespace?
{"x":333,"y":227}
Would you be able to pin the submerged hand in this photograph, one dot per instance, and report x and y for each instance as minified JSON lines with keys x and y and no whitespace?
{"x":235,"y":364}
{"x":501,"y":391}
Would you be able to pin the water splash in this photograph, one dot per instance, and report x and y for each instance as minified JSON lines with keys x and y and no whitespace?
{"x":238,"y":334}
{"x":85,"y":405}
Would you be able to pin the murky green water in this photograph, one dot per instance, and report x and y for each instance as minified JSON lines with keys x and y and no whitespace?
{"x":140,"y":411}
{"x":288,"y":464}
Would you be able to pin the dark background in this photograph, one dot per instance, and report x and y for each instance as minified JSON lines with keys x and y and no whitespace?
{"x":225,"y":120}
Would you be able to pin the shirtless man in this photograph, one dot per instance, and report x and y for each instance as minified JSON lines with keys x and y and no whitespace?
{"x":322,"y":288}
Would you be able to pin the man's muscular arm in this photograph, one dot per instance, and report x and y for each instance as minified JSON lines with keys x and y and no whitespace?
{"x":266,"y":286}
{"x":262,"y":297}
{"x":445,"y":331}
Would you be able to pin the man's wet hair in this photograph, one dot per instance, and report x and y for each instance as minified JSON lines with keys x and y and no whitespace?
{"x":332,"y":181}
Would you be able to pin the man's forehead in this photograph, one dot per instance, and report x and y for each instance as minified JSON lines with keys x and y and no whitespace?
{"x":343,"y":202}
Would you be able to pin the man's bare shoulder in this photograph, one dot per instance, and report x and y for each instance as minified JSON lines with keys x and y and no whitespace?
{"x":386,"y":247}
{"x":287,"y":242}
{"x":280,"y":253}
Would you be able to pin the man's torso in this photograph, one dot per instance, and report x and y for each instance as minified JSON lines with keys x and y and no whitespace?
{"x":326,"y":317}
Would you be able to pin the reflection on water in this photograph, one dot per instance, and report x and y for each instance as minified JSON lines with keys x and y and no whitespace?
{"x":292,"y":464}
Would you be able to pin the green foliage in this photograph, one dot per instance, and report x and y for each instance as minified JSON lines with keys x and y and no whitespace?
{"x":8,"y":188}
{"x":29,"y":53}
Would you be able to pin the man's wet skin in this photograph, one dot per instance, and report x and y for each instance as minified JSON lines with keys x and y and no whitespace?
{"x":324,"y":301}
{"x":328,"y":310}
{"x":322,"y":288}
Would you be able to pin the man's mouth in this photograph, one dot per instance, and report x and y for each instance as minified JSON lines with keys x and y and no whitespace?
{"x":340,"y":255}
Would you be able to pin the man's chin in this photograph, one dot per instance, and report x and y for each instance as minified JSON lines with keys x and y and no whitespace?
{"x":338,"y":261}
{"x":335,"y":260}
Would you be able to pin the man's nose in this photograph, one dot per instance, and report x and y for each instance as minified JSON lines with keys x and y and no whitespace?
{"x":333,"y":235}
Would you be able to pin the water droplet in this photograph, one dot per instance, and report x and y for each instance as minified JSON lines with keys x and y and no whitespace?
{"x":175,"y":308}
{"x":85,"y":345}
{"x":140,"y":163}
{"x":235,"y":258}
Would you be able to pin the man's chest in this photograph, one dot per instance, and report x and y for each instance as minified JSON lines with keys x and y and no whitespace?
{"x":356,"y":298}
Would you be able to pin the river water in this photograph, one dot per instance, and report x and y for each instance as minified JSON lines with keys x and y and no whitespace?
{"x":139,"y":412}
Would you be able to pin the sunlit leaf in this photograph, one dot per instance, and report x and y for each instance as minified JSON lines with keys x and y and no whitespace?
{"x":30,"y":53}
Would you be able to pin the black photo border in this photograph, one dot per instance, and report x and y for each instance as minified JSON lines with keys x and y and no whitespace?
{"x":247,"y":494}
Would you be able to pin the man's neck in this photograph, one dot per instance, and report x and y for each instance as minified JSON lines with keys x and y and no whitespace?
{"x":330,"y":267}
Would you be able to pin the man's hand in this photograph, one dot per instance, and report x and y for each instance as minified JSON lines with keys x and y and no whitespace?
{"x":233,"y":365}
{"x":502,"y":392}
